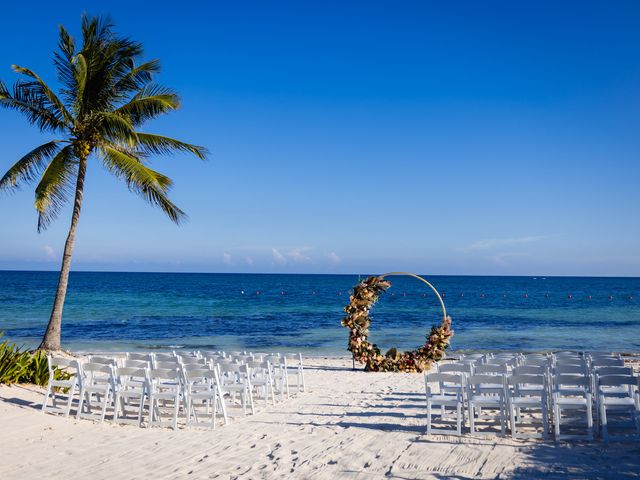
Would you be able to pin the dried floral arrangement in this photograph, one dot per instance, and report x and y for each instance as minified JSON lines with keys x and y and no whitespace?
{"x":358,"y":319}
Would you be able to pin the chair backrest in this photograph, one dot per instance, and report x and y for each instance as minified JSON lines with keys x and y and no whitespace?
{"x":535,"y":361}
{"x":62,"y":362}
{"x":570,"y":380}
{"x":607,"y":362}
{"x":170,"y":365}
{"x":443,"y":378}
{"x":164,"y":357}
{"x":135,"y":363}
{"x":465,"y":368}
{"x":102,"y":360}
{"x":127,"y":375}
{"x":524,"y":379}
{"x":94,"y":371}
{"x":614,"y":371}
{"x":146,"y":357}
{"x":197,"y":374}
{"x":477,"y":382}
{"x":491,"y":369}
{"x":618,"y":380}
{"x":71,"y":366}
{"x":192,"y":360}
{"x":530,"y":370}
{"x":570,"y":370}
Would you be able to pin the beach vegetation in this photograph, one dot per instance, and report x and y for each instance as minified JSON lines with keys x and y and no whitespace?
{"x":21,"y":366}
{"x":107,"y":93}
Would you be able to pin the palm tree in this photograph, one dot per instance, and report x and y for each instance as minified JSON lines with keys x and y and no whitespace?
{"x":106,"y":95}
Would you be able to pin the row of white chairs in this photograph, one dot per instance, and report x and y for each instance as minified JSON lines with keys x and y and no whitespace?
{"x":573,"y":383}
{"x":200,"y":384}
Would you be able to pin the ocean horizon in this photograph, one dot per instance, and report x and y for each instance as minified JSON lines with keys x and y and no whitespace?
{"x":114,"y":311}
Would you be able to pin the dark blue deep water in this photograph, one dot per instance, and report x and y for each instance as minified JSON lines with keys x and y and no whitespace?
{"x":118,"y":311}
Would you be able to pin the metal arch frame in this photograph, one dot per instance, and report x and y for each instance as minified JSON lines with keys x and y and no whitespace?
{"x":444,"y":309}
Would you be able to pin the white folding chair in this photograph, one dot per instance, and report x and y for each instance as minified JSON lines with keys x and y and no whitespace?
{"x":130,"y":386}
{"x":144,"y":357}
{"x":70,"y":366}
{"x":629,"y":402}
{"x":527,"y":392}
{"x":573,"y":393}
{"x":235,"y":380}
{"x":163,"y":386}
{"x":280,"y":376}
{"x":452,"y":397}
{"x":262,"y":380}
{"x":96,"y":390}
{"x":201,"y":391}
{"x":486,"y":391}
{"x":293,"y":361}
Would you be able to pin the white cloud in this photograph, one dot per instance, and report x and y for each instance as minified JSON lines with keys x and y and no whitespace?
{"x":502,"y":259}
{"x":226,"y":258}
{"x":278,"y":257}
{"x":297,"y":255}
{"x":333,"y":257}
{"x":248,"y":260}
{"x":491,"y":243}
{"x":49,"y":252}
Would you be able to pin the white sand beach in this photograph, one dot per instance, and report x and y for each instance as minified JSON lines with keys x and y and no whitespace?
{"x":349,"y":424}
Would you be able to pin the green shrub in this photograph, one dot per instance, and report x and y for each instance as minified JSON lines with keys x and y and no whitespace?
{"x":20,"y":366}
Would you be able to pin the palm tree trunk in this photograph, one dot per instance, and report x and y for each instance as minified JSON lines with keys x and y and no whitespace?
{"x":51,"y":339}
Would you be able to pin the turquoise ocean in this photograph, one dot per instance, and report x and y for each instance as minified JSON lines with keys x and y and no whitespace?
{"x":265,"y":312}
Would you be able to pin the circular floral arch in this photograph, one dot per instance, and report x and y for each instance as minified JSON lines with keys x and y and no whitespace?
{"x":358,"y":320}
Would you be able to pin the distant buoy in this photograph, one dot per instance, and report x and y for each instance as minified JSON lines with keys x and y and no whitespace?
{"x":257,"y":292}
{"x":241,"y":292}
{"x":569,"y":296}
{"x":482,"y":295}
{"x":526,"y":295}
{"x":610,"y":297}
{"x":339,"y":293}
{"x":546,"y":295}
{"x":589,"y":297}
{"x":504,"y":295}
{"x":282,"y":293}
{"x":462,"y":295}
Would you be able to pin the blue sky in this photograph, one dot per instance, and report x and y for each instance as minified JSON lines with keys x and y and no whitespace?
{"x":471,"y":137}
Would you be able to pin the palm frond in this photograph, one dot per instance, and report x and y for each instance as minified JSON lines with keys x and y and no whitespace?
{"x":117,"y":128}
{"x":136,"y":78}
{"x":49,"y":99}
{"x":151,"y":185}
{"x":32,"y":105}
{"x":151,"y":102}
{"x":160,"y":145}
{"x":28,"y":167}
{"x":54,"y":187}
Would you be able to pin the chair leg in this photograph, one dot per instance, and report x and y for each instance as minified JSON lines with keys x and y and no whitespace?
{"x":253,"y":410}
{"x":603,"y":422}
{"x":141,"y":409}
{"x":80,"y":403}
{"x":428,"y":417}
{"x":104,"y":406}
{"x":472,"y":421}
{"x":46,"y":397}
{"x":459,"y":418}
{"x":71,"y":392}
{"x":176,"y":406}
{"x":556,"y":420}
{"x":513,"y":422}
{"x":590,"y":421}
